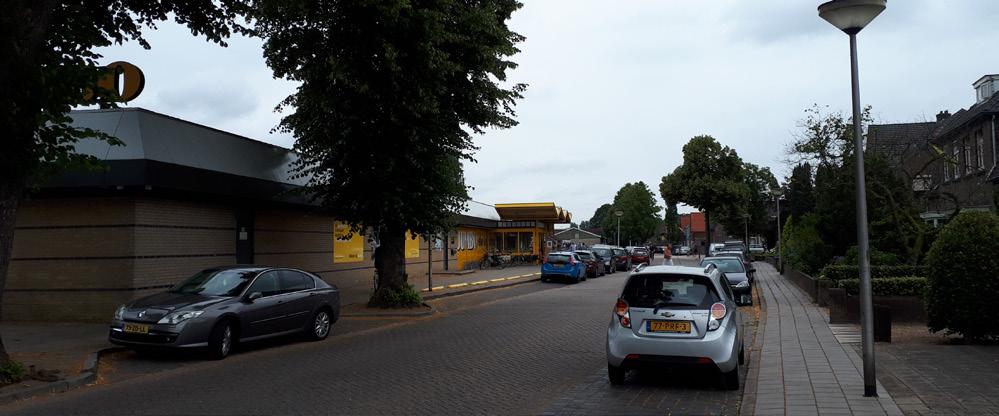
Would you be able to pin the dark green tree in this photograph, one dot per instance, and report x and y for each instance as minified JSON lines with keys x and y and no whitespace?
{"x":597,"y":220}
{"x":671,"y":222}
{"x":710,"y":179}
{"x":800,"y":194}
{"x":49,"y":65}
{"x":390,"y":94}
{"x":640,"y":221}
{"x":751,"y":214}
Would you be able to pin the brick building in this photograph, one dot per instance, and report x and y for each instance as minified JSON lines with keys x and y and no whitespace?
{"x":180,"y":197}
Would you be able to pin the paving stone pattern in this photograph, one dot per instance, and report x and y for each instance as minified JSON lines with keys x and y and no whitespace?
{"x":803,"y":368}
{"x":941,"y":379}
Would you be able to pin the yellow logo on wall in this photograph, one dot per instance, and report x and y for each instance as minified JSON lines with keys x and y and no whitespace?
{"x":347,"y":247}
{"x":412,"y":246}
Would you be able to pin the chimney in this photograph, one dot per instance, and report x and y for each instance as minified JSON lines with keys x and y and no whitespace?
{"x":941,"y":116}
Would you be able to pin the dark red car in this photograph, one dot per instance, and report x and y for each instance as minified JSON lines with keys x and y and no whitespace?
{"x":593,"y":266}
{"x":640,"y":255}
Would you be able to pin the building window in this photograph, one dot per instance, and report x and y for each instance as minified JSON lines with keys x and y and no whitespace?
{"x":510,"y":243}
{"x":946,"y":168}
{"x":526,"y":242}
{"x":968,"y":165}
{"x":956,"y":162}
{"x":498,"y":241}
{"x":980,"y":147}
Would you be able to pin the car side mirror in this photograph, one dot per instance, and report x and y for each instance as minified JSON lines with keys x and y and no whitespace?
{"x":752,"y":270}
{"x":254,"y":296}
{"x":744,"y":300}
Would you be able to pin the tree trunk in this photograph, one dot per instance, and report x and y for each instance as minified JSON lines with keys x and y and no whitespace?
{"x":390,"y":263}
{"x":10,"y":195}
{"x":707,"y":229}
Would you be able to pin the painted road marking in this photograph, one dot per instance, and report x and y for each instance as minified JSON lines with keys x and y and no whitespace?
{"x":481,"y":282}
{"x":457,"y":285}
{"x":497,"y":280}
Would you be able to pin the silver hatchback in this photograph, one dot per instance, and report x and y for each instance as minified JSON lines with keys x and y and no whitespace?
{"x":676,"y":317}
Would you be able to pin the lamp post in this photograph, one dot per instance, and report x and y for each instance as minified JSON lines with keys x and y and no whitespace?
{"x":851,"y":16}
{"x":745,"y":218}
{"x":618,"y":214}
{"x":780,"y":242}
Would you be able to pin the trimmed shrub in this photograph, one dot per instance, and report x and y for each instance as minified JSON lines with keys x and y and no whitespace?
{"x":962,"y":286}
{"x":803,"y":249}
{"x":894,"y":286}
{"x":852,"y":271}
{"x":878,"y":257}
{"x":12,"y":372}
{"x":403,"y":297}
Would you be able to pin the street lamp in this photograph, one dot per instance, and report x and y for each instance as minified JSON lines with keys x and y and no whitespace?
{"x":851,"y":16}
{"x":780,"y":241}
{"x":618,"y":214}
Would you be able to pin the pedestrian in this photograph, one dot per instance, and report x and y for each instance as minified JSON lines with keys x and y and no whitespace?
{"x":668,"y":254}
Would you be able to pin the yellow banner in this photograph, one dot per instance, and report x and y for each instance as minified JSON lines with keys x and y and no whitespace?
{"x":412,"y":246}
{"x":347,"y":247}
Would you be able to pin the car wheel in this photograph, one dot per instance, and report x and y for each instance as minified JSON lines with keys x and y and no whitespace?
{"x":742,"y":354}
{"x":544,"y":279}
{"x":320,"y":326}
{"x":615,"y":374}
{"x":730,"y":380}
{"x":221,"y":340}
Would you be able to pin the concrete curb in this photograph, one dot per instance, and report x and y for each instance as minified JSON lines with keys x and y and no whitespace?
{"x":748,"y":405}
{"x":87,"y":375}
{"x":481,"y":288}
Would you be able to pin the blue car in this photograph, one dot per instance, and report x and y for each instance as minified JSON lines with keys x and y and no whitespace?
{"x":563,"y":265}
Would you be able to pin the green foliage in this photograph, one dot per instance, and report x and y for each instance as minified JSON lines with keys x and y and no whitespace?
{"x":390,"y":94}
{"x":826,"y":138}
{"x":888,"y":286}
{"x":599,"y":216}
{"x":877,"y":257}
{"x":405,"y":296}
{"x":962,"y":289}
{"x":837,"y":272}
{"x":711,"y":178}
{"x":11,"y":372}
{"x":672,"y":223}
{"x":802,"y":248}
{"x":800,"y":194}
{"x":640,"y":221}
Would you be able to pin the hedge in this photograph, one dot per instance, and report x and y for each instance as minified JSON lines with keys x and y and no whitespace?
{"x":852,"y":271}
{"x":891,"y":286}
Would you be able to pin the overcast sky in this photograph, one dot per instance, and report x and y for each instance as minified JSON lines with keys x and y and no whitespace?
{"x":617,"y":88}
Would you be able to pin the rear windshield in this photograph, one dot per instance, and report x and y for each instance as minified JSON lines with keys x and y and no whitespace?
{"x":602,"y":252}
{"x":584,"y":256}
{"x":640,"y":251}
{"x":725,"y":265}
{"x":619,"y":251}
{"x":558,"y":258}
{"x":670,"y":290}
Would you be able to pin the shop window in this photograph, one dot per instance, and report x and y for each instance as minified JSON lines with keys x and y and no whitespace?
{"x":510,"y":242}
{"x":498,"y":241}
{"x":526,"y":243}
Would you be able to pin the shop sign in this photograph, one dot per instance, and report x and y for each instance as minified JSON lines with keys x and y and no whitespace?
{"x":348,"y":246}
{"x":123,"y":80}
{"x":412,"y":246}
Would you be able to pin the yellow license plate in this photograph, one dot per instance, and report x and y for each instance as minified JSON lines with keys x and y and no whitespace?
{"x":136,"y":329}
{"x":669,"y":326}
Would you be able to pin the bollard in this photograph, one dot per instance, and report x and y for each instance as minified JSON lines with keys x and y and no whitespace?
{"x":882,"y":323}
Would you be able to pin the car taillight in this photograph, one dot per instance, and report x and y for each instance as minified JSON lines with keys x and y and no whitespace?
{"x":623,"y":314}
{"x":718,"y":312}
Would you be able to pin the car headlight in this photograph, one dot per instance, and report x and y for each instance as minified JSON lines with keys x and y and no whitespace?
{"x":178,"y":317}
{"x":744,"y":283}
{"x":119,"y":313}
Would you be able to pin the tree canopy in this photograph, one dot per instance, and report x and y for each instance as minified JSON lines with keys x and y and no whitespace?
{"x":49,"y":66}
{"x":640,"y":221}
{"x":390,"y":95}
{"x":710,"y":178}
{"x":597,"y":220}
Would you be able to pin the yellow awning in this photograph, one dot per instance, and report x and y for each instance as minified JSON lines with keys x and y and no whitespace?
{"x":533,"y":211}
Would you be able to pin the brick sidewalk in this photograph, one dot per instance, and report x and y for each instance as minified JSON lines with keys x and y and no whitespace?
{"x":803,"y":368}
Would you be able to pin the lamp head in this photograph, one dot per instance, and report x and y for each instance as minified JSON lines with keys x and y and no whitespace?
{"x":851,"y":16}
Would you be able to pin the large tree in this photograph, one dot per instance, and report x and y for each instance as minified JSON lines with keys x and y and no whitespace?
{"x":49,"y":65}
{"x":390,"y":94}
{"x":640,"y":220}
{"x":597,"y":220}
{"x":800,"y":192}
{"x":671,"y":222}
{"x":710,"y":178}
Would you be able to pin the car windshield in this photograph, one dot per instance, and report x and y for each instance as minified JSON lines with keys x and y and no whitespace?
{"x":216,"y":282}
{"x":725,"y":265}
{"x":668,"y":290}
{"x":602,"y":252}
{"x":584,"y":255}
{"x":619,"y":251}
{"x":558,"y":258}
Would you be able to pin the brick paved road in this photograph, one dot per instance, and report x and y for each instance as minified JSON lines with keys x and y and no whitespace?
{"x":512,"y":356}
